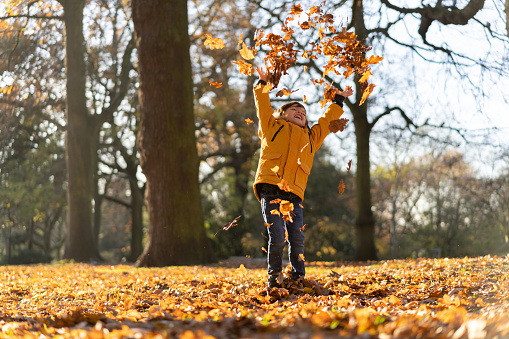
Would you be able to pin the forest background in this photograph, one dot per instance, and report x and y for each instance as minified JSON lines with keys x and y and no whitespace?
{"x":435,"y":124}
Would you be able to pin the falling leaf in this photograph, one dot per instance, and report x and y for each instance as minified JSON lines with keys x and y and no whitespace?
{"x":247,"y":53}
{"x":304,"y":99}
{"x":348,"y":167}
{"x":365,"y":76}
{"x":268,"y":225}
{"x":216,"y":84}
{"x":263,"y":249}
{"x":285,"y":92}
{"x":275,"y":201}
{"x":244,"y":67}
{"x":303,"y":228}
{"x":213,"y":43}
{"x":341,"y":187}
{"x":275,"y":212}
{"x":367,"y":92}
{"x":338,"y":125}
{"x":240,"y":40}
{"x":229,"y":225}
{"x":249,"y":121}
{"x":301,"y":257}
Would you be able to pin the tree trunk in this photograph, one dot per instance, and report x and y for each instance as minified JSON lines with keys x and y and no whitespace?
{"x":364,"y":220}
{"x":79,"y":244}
{"x":136,"y":219}
{"x":167,"y":142}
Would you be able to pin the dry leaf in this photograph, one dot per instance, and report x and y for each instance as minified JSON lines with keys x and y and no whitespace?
{"x":338,"y":125}
{"x":341,"y":187}
{"x":213,"y":43}
{"x":216,"y":84}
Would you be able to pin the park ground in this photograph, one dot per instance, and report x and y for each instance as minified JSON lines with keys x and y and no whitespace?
{"x":423,"y":298}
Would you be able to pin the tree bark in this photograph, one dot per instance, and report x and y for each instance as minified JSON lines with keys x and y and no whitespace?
{"x":80,"y":143}
{"x":364,"y":220}
{"x":167,"y":144}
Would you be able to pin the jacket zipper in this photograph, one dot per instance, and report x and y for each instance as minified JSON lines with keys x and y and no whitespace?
{"x":274,"y":137}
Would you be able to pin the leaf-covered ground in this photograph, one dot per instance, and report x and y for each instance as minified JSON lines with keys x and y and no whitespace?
{"x":425,"y":298}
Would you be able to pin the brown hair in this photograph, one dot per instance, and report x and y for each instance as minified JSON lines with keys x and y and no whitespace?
{"x":279,"y":114}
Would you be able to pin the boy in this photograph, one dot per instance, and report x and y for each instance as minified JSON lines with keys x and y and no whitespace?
{"x":288,"y":146}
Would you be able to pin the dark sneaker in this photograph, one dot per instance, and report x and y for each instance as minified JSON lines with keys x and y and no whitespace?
{"x":273,"y":281}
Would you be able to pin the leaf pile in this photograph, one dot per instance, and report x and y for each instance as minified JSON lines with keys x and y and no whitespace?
{"x":425,"y":298}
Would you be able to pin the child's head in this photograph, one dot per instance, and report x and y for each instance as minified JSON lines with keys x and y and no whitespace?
{"x":293,"y":112}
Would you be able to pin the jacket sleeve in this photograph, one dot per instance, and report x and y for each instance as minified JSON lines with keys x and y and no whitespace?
{"x":263,"y":109}
{"x":320,"y":130}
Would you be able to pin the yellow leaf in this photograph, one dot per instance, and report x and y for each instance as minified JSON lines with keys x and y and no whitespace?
{"x":247,"y":53}
{"x":213,"y":43}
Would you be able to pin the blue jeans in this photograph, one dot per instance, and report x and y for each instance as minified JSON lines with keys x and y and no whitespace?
{"x":277,"y":236}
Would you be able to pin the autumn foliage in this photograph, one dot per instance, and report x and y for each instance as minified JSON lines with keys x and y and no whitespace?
{"x":425,"y":298}
{"x":344,"y":55}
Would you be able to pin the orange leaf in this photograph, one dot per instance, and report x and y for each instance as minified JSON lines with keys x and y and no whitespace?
{"x":244,"y":67}
{"x":367,"y":93}
{"x":341,"y":187}
{"x":349,"y":167}
{"x":275,"y":212}
{"x":275,"y":201}
{"x":240,"y":39}
{"x":285,"y":91}
{"x":246,"y":52}
{"x":249,"y":121}
{"x":216,"y":84}
{"x":213,"y":43}
{"x":302,"y":228}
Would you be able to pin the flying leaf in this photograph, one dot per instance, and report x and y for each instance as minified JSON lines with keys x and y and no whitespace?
{"x":244,"y":67}
{"x":304,"y":99}
{"x":302,"y":228}
{"x":275,"y":212}
{"x":229,"y":225}
{"x":338,"y":125}
{"x":275,"y":201}
{"x":367,"y":93}
{"x":216,"y":84}
{"x":214,"y":43}
{"x":249,"y":121}
{"x":285,"y":91}
{"x":301,"y":257}
{"x":365,"y":76}
{"x":348,"y":167}
{"x":240,"y":40}
{"x":341,"y":187}
{"x":247,"y":53}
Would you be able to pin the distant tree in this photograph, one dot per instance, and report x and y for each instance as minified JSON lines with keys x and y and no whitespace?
{"x":167,"y":142}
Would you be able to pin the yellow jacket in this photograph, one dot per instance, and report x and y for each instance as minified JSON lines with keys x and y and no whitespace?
{"x":288,"y":146}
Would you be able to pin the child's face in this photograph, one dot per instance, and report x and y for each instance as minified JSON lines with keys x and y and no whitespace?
{"x":296,"y":115}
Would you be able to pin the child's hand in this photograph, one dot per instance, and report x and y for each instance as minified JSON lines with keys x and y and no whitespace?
{"x":263,"y":75}
{"x":346,"y":93}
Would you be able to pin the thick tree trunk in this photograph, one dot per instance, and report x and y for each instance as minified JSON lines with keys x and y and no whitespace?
{"x":168,"y":154}
{"x":79,"y":244}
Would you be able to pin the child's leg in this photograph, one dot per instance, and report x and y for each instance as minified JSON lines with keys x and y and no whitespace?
{"x":276,"y":232}
{"x":296,"y":241}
